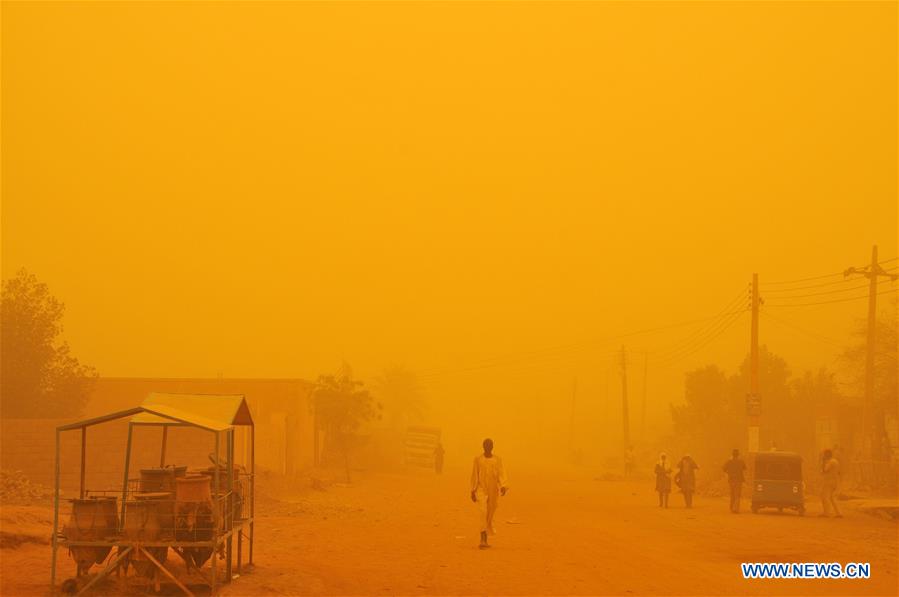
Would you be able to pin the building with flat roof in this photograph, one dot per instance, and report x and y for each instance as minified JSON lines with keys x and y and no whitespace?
{"x":281,"y":408}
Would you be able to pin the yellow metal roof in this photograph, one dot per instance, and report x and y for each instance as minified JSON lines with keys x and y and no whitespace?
{"x":215,"y":412}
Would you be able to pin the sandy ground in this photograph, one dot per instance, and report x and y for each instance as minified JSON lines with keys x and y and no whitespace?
{"x":558,"y":533}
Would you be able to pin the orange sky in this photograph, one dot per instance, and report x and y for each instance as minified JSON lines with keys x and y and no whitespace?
{"x":264,"y":189}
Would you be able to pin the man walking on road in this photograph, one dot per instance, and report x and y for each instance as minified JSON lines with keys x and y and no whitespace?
{"x":734,"y":469}
{"x":686,"y":478}
{"x":830,"y":480}
{"x":488,"y":483}
{"x":663,"y":480}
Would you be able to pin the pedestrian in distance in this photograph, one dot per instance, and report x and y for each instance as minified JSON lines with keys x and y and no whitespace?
{"x":488,"y":483}
{"x":438,"y":458}
{"x":663,"y":480}
{"x":735,"y":469}
{"x":830,"y":482}
{"x":685,"y":478}
{"x":629,"y":461}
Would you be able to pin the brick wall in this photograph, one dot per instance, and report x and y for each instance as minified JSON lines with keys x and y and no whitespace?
{"x":280,"y":409}
{"x":28,"y":445}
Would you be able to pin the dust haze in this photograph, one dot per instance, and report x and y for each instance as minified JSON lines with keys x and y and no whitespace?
{"x":517,"y":210}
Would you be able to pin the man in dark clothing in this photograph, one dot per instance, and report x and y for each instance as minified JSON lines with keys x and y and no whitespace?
{"x":734,"y":469}
{"x":686,"y":478}
{"x":629,"y":461}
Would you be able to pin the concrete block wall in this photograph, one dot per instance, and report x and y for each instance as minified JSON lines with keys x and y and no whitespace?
{"x":280,"y":408}
{"x":29,"y":446}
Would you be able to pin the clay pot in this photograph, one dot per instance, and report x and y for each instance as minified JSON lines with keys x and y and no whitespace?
{"x":92,"y":519}
{"x":165,"y":510}
{"x":192,"y":488}
{"x":142,"y":524}
{"x":157,"y":479}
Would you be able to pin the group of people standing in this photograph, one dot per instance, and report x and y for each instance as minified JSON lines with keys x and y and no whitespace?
{"x":489,"y":482}
{"x":684,"y":478}
{"x":735,"y":469}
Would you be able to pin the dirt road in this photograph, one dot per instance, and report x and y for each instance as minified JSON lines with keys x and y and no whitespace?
{"x":560,"y":534}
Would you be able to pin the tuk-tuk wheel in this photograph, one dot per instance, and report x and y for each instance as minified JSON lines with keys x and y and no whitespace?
{"x":801,"y":510}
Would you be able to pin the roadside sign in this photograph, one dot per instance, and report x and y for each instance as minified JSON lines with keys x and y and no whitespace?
{"x":753,"y":405}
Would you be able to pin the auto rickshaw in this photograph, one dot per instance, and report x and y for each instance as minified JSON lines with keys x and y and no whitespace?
{"x":777,"y":482}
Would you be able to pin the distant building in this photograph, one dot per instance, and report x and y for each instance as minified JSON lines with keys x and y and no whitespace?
{"x":281,"y":408}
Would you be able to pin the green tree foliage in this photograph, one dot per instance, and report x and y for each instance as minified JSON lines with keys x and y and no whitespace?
{"x":402,"y":395}
{"x":342,"y":405}
{"x":39,"y":376}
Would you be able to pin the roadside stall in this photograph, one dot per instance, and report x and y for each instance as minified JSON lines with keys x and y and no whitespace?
{"x":198,"y":515}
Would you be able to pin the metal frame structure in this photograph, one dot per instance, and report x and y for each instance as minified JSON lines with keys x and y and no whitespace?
{"x":155,"y":412}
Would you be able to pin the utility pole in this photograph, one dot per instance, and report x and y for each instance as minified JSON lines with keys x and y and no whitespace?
{"x":605,"y":411}
{"x":643,"y":406}
{"x":624,"y":412}
{"x":870,"y":437}
{"x":753,"y":401}
{"x":571,"y":427}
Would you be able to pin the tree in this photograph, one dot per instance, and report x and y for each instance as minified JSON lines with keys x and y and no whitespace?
{"x":342,"y":405}
{"x":39,"y":376}
{"x":400,"y":391}
{"x":816,"y":396}
{"x":711,"y":421}
{"x":777,"y":402}
{"x":886,"y":368}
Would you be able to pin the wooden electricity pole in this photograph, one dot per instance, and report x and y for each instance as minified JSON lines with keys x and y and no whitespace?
{"x":643,"y":405}
{"x":606,"y":412}
{"x":753,"y":405}
{"x":870,"y":437}
{"x":571,"y":427}
{"x":624,"y":412}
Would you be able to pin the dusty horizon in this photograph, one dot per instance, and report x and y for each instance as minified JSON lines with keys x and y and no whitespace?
{"x":567,"y":176}
{"x":490,"y":201}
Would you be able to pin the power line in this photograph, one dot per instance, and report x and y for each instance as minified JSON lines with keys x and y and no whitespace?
{"x":826,"y":292}
{"x":809,"y":279}
{"x":689,"y":342}
{"x":714,"y":321}
{"x":792,"y":325}
{"x":550,"y":353}
{"x":851,"y":298}
{"x":710,"y":334}
{"x":792,"y":296}
{"x":873,"y":271}
{"x":821,"y":277}
{"x":807,"y":286}
{"x":714,"y":327}
{"x":711,"y":327}
{"x":507,"y":364}
{"x":523,"y":371}
{"x":519,"y":357}
{"x":671,"y":361}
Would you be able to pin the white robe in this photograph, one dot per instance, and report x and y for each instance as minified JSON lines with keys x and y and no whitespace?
{"x":488,"y":476}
